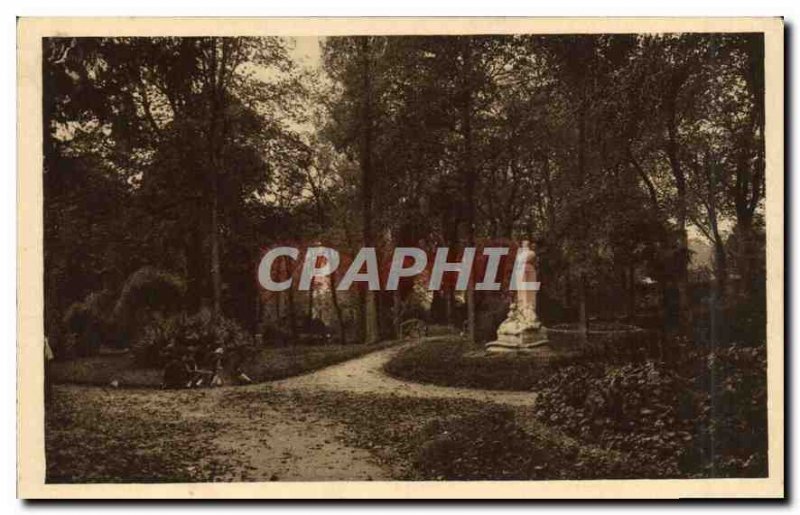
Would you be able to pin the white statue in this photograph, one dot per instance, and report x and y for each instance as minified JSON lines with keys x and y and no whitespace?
{"x":521,"y":329}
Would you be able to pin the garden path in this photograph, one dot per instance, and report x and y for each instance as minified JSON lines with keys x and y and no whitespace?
{"x":365,"y":375}
{"x":260,"y":432}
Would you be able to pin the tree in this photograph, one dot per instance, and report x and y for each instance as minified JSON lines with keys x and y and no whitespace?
{"x":196,"y":129}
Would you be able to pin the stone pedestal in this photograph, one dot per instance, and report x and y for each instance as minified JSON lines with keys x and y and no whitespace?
{"x":521,"y":330}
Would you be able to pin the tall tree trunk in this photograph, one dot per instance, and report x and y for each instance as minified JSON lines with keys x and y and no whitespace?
{"x":631,"y":282}
{"x":750,"y":172}
{"x":720,"y":257}
{"x":470,"y":179}
{"x":583,"y":323}
{"x":744,"y":250}
{"x":720,"y":269}
{"x":259,"y":312}
{"x":216,"y":96}
{"x":371,"y":331}
{"x":396,"y":297}
{"x":583,"y":221}
{"x":681,"y":215}
{"x":448,"y":293}
{"x":310,"y":312}
{"x":449,"y":301}
{"x":290,"y":304}
{"x":337,"y":309}
{"x":216,"y":276}
{"x":195,"y":270}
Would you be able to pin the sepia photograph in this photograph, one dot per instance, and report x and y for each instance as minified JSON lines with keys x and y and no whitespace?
{"x":352,"y":253}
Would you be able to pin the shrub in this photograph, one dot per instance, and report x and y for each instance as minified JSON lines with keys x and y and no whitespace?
{"x":148,"y":294}
{"x":628,"y":408}
{"x":491,"y":444}
{"x":736,"y":421}
{"x":86,"y":325}
{"x":441,"y":330}
{"x":275,"y":335}
{"x":307,"y":331}
{"x":607,"y":340}
{"x":199,"y":334}
{"x":664,"y":413}
{"x":312,"y":331}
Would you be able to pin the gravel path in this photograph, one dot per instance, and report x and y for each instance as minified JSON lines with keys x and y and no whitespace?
{"x":365,"y":375}
{"x":260,"y":432}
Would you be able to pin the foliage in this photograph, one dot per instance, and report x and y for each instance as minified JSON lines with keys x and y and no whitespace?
{"x":438,"y":438}
{"x":136,"y":130}
{"x":607,"y":341}
{"x":197,"y":335}
{"x":147,"y":294}
{"x":648,"y":412}
{"x":107,"y":436}
{"x":486,"y":445}
{"x":313,"y":331}
{"x":152,"y":158}
{"x":267,"y":364}
{"x":87,"y":324}
{"x":703,"y":416}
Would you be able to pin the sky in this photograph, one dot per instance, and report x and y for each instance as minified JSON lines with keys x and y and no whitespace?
{"x":306,"y":51}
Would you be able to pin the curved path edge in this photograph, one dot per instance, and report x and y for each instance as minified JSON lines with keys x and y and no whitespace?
{"x":365,"y":375}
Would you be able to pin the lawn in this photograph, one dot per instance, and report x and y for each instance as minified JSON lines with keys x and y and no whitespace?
{"x":457,"y":439}
{"x":100,"y":435}
{"x":269,"y":364}
{"x":104,"y":435}
{"x":449,"y":363}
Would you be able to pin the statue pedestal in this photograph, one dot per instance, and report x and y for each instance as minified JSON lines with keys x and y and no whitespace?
{"x":519,"y":332}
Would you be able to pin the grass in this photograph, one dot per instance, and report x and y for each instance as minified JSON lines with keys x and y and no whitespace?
{"x":447,"y":363}
{"x":105,"y":435}
{"x":269,"y":364}
{"x":101,"y":370}
{"x":456,"y":439}
{"x":281,"y":362}
{"x":109,"y":436}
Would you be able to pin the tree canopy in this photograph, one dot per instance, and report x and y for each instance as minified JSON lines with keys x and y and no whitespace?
{"x":611,"y":152}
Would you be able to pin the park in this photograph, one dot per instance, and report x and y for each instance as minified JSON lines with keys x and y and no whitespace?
{"x":558,"y":261}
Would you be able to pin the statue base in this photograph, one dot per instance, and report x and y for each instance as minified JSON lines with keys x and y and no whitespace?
{"x":520,"y":332}
{"x":518,"y":343}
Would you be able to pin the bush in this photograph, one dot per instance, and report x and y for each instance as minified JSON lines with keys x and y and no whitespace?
{"x":308,"y":331}
{"x":492,"y":445}
{"x":736,"y":421}
{"x":148,"y":294}
{"x":664,"y":413}
{"x":275,"y":335}
{"x":629,"y":408}
{"x":197,"y":335}
{"x":607,"y":340}
{"x":86,"y":326}
{"x":313,"y":331}
{"x":441,"y":330}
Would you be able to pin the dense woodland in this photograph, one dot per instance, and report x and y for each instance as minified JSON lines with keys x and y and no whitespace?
{"x":171,"y":163}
